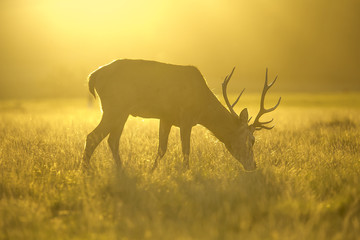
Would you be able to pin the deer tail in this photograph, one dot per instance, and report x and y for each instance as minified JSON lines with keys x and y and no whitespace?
{"x":91,"y":82}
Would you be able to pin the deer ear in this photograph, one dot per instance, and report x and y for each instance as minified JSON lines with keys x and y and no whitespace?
{"x":244,"y":116}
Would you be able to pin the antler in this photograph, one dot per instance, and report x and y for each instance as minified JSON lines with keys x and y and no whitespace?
{"x":224,"y":87}
{"x":257,"y":124}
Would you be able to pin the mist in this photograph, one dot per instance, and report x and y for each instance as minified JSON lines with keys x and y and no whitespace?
{"x":48,"y":48}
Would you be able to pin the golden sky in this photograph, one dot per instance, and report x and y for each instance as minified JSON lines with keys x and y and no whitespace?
{"x":312,"y":45}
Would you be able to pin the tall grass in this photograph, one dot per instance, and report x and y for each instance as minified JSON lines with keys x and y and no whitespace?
{"x":306,"y":185}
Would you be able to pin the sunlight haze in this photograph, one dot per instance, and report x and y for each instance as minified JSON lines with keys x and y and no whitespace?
{"x":49,"y":47}
{"x":126,"y":119}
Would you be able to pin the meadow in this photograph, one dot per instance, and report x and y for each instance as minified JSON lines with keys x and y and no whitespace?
{"x":307,"y":185}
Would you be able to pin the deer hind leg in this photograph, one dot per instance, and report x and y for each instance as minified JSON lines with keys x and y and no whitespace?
{"x":114,"y":139}
{"x":185,"y":132}
{"x":164,"y":131}
{"x":95,"y":137}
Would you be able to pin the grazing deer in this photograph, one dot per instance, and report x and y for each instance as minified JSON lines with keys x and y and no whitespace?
{"x":177,"y":95}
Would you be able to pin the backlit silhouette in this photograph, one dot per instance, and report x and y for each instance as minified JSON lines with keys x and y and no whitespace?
{"x":177,"y":95}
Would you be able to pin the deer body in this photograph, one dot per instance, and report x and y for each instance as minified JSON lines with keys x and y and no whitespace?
{"x":177,"y":95}
{"x":152,"y":90}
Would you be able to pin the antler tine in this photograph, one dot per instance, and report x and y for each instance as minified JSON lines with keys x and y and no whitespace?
{"x":262,"y":100}
{"x":238,"y":98}
{"x":224,"y":90}
{"x":264,"y":127}
{"x":262,"y":123}
{"x":274,"y":107}
{"x":227,"y":79}
{"x":257,"y":124}
{"x":272,"y":83}
{"x":266,"y":77}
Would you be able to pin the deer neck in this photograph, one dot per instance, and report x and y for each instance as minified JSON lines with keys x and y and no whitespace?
{"x":218,"y":120}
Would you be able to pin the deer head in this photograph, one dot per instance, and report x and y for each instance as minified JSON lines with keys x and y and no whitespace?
{"x":241,"y":141}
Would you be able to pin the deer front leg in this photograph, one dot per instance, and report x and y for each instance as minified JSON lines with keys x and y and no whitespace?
{"x":164,"y":131}
{"x":185,"y":132}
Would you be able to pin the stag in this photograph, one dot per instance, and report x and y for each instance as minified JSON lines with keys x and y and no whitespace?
{"x":178,"y":96}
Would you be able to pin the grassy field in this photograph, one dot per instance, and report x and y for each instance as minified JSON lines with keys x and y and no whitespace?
{"x":307,"y":185}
